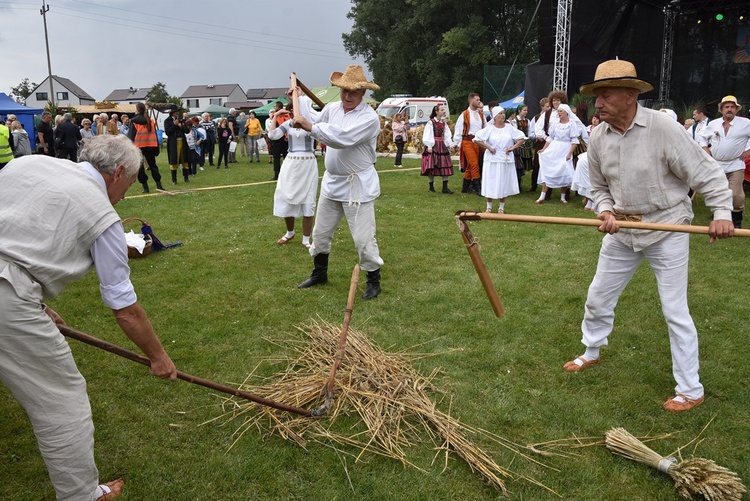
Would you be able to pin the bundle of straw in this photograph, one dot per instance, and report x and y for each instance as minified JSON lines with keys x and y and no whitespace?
{"x":692,"y":477}
{"x":383,"y":390}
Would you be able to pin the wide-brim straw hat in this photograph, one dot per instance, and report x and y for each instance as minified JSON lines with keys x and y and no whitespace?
{"x":616,"y":73}
{"x":353,"y":78}
{"x":730,"y":99}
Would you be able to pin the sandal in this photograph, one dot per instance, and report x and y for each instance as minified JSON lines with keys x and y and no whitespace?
{"x":111,"y":490}
{"x":539,"y":201}
{"x":578,"y":364}
{"x":284,"y":240}
{"x":306,"y":246}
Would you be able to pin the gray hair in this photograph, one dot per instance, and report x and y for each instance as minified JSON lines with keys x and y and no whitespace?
{"x":106,"y":152}
{"x":68,"y":117}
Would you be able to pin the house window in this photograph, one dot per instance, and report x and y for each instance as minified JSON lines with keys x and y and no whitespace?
{"x":215,"y":101}
{"x":62,"y":96}
{"x":41,"y":96}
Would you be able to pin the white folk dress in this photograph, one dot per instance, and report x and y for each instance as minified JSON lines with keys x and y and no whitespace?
{"x":499,"y":178}
{"x":554,"y":170}
{"x":297,"y":187}
{"x":581,"y":182}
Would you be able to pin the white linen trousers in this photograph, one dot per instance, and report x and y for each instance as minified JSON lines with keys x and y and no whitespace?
{"x":668,"y":258}
{"x":361,"y":219}
{"x":36,"y":365}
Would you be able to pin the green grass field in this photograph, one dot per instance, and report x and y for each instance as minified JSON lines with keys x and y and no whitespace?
{"x":216,"y":300}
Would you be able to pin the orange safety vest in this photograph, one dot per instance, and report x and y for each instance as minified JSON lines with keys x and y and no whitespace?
{"x":144,"y":138}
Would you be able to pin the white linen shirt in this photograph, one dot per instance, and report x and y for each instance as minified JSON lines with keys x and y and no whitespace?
{"x":350,"y":138}
{"x":428,"y":135}
{"x":648,"y":170}
{"x":110,"y":255}
{"x":727,"y":148}
{"x":476,"y":123}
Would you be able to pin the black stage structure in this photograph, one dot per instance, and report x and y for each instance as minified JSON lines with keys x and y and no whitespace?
{"x":707,"y":44}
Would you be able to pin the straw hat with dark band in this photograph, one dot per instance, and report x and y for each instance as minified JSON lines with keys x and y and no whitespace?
{"x":353,"y":78}
{"x":616,"y":73}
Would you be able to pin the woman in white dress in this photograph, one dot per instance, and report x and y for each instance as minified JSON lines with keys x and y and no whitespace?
{"x":581,"y":182}
{"x":499,"y":140}
{"x":556,"y":158}
{"x":297,"y":187}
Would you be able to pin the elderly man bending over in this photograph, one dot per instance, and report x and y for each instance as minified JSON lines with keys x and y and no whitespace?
{"x":56,"y":220}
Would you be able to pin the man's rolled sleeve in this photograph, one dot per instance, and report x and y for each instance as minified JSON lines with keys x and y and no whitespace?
{"x":110,"y":256}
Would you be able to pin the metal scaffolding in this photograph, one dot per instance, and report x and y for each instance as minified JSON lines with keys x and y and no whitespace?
{"x":670,"y":13}
{"x":562,"y":44}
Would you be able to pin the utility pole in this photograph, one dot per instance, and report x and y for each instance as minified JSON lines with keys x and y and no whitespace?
{"x":43,"y":11}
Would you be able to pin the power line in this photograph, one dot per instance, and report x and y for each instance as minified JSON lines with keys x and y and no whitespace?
{"x":328,"y":54}
{"x":203,"y":24}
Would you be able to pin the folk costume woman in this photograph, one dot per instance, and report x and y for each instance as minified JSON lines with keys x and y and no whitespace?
{"x":436,"y":159}
{"x":525,"y":153}
{"x":499,"y":141}
{"x":556,"y":158}
{"x":298,"y":178}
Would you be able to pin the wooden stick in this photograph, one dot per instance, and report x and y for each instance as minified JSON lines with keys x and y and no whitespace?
{"x":295,"y":97}
{"x":342,"y":344}
{"x":484,"y":276}
{"x":473,"y":247}
{"x":117,"y":350}
{"x":310,"y":94}
{"x":684,"y":228}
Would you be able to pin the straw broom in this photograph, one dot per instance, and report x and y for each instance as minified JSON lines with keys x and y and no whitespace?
{"x":692,"y":477}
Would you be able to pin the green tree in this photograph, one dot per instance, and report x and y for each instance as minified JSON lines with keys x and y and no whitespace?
{"x":22,"y":91}
{"x":428,"y":47}
{"x":158,"y":93}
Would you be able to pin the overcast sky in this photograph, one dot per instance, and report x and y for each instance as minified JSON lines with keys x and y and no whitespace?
{"x":103,"y":45}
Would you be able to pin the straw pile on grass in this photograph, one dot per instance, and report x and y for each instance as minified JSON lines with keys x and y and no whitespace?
{"x":692,"y":477}
{"x":390,"y":399}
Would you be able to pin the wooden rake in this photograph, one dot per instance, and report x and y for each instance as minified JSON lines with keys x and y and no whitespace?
{"x":472,"y":246}
{"x":328,"y":392}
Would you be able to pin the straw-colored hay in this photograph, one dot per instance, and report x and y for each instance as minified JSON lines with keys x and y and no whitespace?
{"x":383,"y":391}
{"x":692,"y":477}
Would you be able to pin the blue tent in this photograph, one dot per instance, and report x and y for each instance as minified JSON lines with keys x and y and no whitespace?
{"x":24,"y":114}
{"x":513,"y":103}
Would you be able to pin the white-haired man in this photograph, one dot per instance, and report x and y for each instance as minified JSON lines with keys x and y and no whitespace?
{"x":56,"y":220}
{"x":637,"y":147}
{"x":349,"y":128}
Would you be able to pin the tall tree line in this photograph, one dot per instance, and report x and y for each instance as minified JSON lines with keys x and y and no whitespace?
{"x":439,"y":47}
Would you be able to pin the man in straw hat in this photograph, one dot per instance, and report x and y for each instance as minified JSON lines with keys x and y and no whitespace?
{"x":728,"y":141}
{"x":56,"y":220}
{"x":350,"y":185}
{"x":641,"y":166}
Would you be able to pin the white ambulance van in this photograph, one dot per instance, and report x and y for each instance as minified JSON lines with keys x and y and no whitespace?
{"x":416,"y":109}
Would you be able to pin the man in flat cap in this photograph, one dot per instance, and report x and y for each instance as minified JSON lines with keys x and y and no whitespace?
{"x":349,"y":128}
{"x":642,"y":165}
{"x":728,"y":141}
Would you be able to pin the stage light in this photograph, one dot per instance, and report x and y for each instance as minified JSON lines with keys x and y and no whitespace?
{"x":719,"y":17}
{"x":699,"y":21}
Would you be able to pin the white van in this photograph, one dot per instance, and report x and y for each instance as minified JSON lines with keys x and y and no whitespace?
{"x":416,"y":109}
